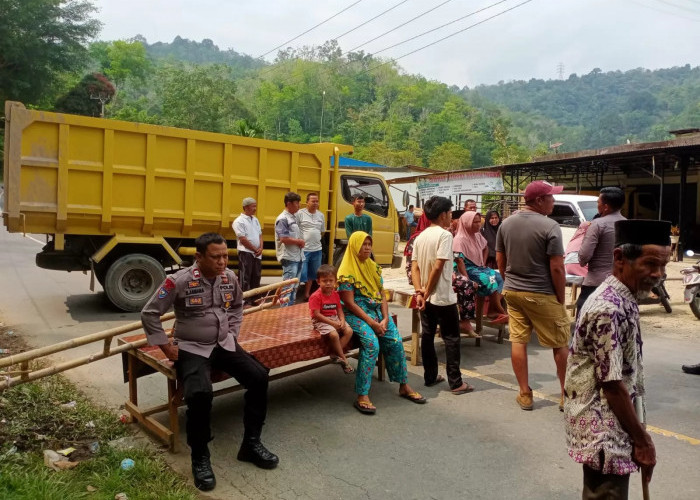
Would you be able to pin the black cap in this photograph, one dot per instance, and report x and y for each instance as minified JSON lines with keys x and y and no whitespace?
{"x":643,"y":232}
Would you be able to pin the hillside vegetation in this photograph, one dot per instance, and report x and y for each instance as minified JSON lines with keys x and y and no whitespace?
{"x":319,"y":93}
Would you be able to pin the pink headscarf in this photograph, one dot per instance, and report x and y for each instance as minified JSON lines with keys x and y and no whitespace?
{"x":471,"y":243}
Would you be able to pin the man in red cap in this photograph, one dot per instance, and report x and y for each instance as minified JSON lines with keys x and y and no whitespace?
{"x":530,"y":256}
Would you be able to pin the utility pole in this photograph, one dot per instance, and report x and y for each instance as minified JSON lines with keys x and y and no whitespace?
{"x":560,"y":70}
{"x":323,"y":101}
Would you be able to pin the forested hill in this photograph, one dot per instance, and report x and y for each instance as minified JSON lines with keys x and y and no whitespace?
{"x":320,"y":93}
{"x":598,"y":109}
{"x":182,"y":49}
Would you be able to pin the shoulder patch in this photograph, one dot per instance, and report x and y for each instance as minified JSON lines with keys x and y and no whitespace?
{"x":162,"y":293}
{"x":196,"y":274}
{"x":169,"y":284}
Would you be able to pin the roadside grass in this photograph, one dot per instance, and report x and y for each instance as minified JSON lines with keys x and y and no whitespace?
{"x":52,"y":414}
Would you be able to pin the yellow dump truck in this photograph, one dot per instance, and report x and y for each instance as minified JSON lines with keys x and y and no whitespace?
{"x":125,"y":201}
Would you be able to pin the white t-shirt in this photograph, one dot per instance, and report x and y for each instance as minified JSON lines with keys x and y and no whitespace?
{"x":249,"y":227}
{"x":312,"y":226}
{"x":432,"y":244}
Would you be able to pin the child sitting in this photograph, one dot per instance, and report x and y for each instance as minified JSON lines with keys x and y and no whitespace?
{"x":327,"y":315}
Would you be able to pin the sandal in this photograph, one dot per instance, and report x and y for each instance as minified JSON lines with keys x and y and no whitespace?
{"x":414,"y":397}
{"x":464,"y":390}
{"x":437,"y":380}
{"x":500,"y":319}
{"x":347,"y":368}
{"x":365,"y":407}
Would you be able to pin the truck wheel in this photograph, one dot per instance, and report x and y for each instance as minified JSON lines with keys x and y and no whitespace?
{"x":338,"y":254}
{"x":132,"y":279}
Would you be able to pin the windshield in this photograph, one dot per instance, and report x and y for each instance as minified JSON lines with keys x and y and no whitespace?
{"x":589,"y":209}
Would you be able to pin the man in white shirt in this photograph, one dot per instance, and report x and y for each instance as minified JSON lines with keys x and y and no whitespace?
{"x":250,"y":247}
{"x":312,"y":224}
{"x":431,"y":271}
{"x":289,"y":244}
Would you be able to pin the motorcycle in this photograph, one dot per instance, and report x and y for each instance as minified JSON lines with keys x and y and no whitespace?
{"x":659,"y":295}
{"x":691,"y":280}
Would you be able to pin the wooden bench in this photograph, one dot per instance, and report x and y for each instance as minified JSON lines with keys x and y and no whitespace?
{"x":404,"y":298}
{"x":276,"y":337}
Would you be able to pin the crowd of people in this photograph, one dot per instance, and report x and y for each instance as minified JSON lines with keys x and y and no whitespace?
{"x":515,"y":264}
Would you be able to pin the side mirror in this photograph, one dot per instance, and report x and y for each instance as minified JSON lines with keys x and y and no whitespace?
{"x":406,"y":199}
{"x":689,"y":253}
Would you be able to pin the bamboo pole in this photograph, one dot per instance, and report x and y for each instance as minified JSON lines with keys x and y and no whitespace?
{"x":106,"y":336}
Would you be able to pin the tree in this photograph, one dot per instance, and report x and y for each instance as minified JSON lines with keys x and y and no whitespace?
{"x":202,"y":98}
{"x":120,"y":60}
{"x":39,"y":40}
{"x":88,"y":97}
{"x":450,"y":156}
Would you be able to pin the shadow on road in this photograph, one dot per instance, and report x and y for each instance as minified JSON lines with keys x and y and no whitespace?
{"x":92,"y":307}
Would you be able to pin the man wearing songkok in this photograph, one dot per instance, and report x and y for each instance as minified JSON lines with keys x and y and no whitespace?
{"x":604,"y":408}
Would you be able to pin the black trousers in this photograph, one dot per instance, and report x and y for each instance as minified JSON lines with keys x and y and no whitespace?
{"x":448,"y":319}
{"x":249,"y":271}
{"x":599,"y":486}
{"x":585,"y":292}
{"x":195,"y":373}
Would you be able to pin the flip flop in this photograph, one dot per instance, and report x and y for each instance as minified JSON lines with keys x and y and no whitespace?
{"x":467,"y":389}
{"x":347,"y":368}
{"x":437,"y":380}
{"x":500,"y":319}
{"x":414,"y":397}
{"x":366,"y":408}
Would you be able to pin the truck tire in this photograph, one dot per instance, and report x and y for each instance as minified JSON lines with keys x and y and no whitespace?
{"x":338,"y":254}
{"x":132,"y":279}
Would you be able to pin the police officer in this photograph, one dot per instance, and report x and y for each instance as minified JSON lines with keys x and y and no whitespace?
{"x":208,"y":313}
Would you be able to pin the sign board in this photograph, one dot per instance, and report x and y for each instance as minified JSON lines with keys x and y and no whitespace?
{"x":460,"y":183}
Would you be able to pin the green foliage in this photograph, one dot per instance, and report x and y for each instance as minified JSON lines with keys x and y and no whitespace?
{"x":87,"y":97}
{"x":120,"y":60}
{"x":201,"y":97}
{"x":34,"y":420}
{"x":40,"y":40}
{"x":204,"y":52}
{"x":598,"y":109}
{"x":23,"y":476}
{"x":450,"y":156}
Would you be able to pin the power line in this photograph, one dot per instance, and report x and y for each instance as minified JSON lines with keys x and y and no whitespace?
{"x":309,"y":30}
{"x":267,"y":70}
{"x":370,"y":20}
{"x":399,"y":26}
{"x":375,"y":52}
{"x":448,"y":36}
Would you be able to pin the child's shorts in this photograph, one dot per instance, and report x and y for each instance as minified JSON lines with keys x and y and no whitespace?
{"x":324,"y":328}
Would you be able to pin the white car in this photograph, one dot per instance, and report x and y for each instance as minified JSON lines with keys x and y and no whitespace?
{"x":570,"y":210}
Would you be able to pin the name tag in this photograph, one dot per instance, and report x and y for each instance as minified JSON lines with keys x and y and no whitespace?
{"x":194,"y":301}
{"x":226,"y":287}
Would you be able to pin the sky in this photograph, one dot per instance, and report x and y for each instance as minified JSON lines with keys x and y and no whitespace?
{"x":542,"y":39}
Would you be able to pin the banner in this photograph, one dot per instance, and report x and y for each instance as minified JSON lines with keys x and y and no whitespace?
{"x":460,"y":183}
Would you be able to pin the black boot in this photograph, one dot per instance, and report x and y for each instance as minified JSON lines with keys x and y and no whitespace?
{"x":692,"y":369}
{"x":252,"y":450}
{"x":203,"y":474}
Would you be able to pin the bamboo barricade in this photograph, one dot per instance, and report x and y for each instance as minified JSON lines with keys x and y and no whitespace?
{"x":25,"y":374}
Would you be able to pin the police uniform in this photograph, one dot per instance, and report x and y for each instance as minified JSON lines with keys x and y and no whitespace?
{"x":208,"y":316}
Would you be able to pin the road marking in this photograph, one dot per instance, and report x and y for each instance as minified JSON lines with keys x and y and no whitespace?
{"x":34,"y":239}
{"x":555,"y":399}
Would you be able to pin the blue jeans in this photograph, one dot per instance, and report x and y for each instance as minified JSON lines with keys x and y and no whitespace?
{"x":312,"y":261}
{"x":409,"y":229}
{"x":291,"y":269}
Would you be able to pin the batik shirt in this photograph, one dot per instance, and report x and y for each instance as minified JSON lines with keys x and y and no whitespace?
{"x":607,"y":346}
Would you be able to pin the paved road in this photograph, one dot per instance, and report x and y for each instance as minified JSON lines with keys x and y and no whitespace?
{"x":479,"y":445}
